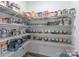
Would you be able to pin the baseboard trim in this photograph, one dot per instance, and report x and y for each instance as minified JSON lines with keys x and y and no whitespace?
{"x":34,"y":54}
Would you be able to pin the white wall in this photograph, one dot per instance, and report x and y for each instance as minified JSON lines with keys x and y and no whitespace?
{"x":22,"y":4}
{"x":47,"y":5}
{"x":76,"y":23}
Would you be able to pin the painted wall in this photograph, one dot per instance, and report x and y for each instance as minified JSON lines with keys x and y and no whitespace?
{"x":22,"y":4}
{"x":47,"y":5}
{"x":76,"y":23}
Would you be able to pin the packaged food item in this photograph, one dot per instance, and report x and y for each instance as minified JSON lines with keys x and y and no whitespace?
{"x":5,"y":20}
{"x":40,"y":14}
{"x":5,"y":3}
{"x":33,"y":14}
{"x":3,"y":47}
{"x":66,"y":21}
{"x":51,"y":14}
{"x":4,"y":32}
{"x":55,"y":13}
{"x":13,"y":45}
{"x":59,"y":13}
{"x":65,"y":12}
{"x":28,"y":14}
{"x":46,"y":13}
{"x":15,"y":7}
{"x":72,"y":11}
{"x":13,"y":32}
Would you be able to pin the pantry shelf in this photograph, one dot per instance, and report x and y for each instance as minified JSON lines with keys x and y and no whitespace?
{"x":51,"y":28}
{"x":44,"y":26}
{"x":51,"y":35}
{"x":53,"y":17}
{"x":10,"y":38}
{"x":9,"y":54}
{"x":62,"y":45}
{"x":9,"y":11}
{"x":13,"y":24}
